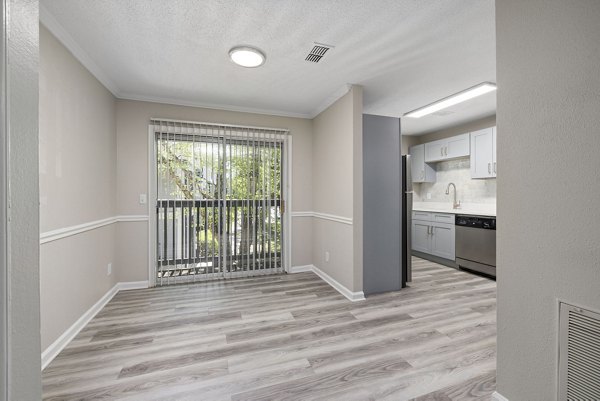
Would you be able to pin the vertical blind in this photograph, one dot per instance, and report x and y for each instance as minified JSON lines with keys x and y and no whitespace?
{"x":219,"y":201}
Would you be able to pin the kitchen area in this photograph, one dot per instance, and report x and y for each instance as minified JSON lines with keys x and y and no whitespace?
{"x":453,"y":216}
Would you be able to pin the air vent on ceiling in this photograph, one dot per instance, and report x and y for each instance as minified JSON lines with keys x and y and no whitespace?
{"x":579,"y":354}
{"x":317,"y":52}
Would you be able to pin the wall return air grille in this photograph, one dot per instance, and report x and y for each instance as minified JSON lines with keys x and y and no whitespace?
{"x":317,"y":52}
{"x":579,"y":354}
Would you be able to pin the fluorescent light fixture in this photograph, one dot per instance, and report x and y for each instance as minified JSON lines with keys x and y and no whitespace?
{"x":451,"y":100}
{"x":247,"y":56}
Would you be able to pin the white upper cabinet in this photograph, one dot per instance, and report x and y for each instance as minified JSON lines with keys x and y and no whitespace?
{"x":483,"y":153}
{"x":458,"y":146}
{"x":448,"y":148}
{"x":434,"y":151}
{"x":421,"y":171}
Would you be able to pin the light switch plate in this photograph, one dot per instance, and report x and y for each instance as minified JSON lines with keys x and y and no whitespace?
{"x":143,"y":199}
{"x":327,"y":256}
{"x":109,"y":269}
{"x":428,"y":195}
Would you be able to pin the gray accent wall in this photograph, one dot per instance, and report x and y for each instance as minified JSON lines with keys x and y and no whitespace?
{"x":20,"y":279}
{"x":382,"y":214}
{"x":548,"y":184}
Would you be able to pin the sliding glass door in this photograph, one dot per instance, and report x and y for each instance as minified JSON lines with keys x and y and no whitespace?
{"x":219,"y":201}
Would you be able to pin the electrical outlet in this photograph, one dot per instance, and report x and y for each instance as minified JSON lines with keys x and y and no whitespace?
{"x":109,"y":269}
{"x":143,"y":199}
{"x":428,"y":195}
{"x":326,"y":256}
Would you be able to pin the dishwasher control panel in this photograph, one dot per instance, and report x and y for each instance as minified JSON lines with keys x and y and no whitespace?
{"x":484,"y":222}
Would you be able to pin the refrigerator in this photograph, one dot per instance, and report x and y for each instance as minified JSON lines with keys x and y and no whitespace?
{"x":406,"y":206}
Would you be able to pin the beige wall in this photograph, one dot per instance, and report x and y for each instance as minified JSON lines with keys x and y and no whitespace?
{"x":77,"y":185}
{"x":133,"y":118}
{"x":77,"y":140}
{"x":337,"y":178}
{"x":548,"y":187}
{"x":406,"y":142}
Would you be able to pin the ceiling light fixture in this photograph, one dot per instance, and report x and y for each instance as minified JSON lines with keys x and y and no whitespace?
{"x":247,"y":56}
{"x":451,"y":100}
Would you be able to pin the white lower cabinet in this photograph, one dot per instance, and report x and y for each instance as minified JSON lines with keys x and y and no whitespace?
{"x":420,"y":236}
{"x":433,"y":233}
{"x":442,"y":240}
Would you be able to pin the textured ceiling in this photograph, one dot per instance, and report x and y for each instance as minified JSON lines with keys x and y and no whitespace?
{"x":406,"y":53}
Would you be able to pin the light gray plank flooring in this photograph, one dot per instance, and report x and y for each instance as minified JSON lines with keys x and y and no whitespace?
{"x":287,"y":337}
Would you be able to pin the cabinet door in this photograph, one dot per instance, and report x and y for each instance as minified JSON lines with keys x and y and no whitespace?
{"x":442,"y":241}
{"x":435,"y":151}
{"x":495,"y":167}
{"x":421,"y":171}
{"x":420,"y":237}
{"x":458,"y":146}
{"x":417,"y":163}
{"x":482,"y":153}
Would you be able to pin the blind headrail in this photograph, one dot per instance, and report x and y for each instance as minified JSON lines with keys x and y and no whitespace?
{"x":158,"y":121}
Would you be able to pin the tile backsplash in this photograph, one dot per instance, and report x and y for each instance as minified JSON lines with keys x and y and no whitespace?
{"x":467,"y":190}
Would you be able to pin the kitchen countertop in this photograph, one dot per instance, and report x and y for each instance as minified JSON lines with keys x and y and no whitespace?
{"x":475,"y":209}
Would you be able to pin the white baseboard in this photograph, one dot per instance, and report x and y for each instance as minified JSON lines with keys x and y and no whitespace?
{"x":132,"y":285}
{"x":498,"y":397}
{"x":301,"y":269}
{"x":61,"y":342}
{"x":352,"y":296}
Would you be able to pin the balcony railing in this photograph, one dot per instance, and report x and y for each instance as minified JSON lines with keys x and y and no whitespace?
{"x":196,"y":237}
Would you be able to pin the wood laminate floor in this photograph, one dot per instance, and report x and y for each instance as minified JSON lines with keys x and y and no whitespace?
{"x":287,"y":337}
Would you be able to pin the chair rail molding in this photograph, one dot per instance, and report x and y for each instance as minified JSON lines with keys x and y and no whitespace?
{"x":323,"y":216}
{"x":60,"y":233}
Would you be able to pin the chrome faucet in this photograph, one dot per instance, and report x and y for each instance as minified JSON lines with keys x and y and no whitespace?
{"x":456,"y":204}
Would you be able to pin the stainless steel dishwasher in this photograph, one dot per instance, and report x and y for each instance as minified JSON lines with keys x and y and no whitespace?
{"x":476,"y":243}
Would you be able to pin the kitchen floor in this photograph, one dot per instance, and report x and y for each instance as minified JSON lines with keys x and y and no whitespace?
{"x":287,"y":337}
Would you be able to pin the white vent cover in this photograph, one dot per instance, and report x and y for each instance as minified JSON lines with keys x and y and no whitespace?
{"x":579,"y":354}
{"x":317,"y":52}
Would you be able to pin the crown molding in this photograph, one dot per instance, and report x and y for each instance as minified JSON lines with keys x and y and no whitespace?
{"x":212,"y":106}
{"x":48,"y":20}
{"x":331,"y":99}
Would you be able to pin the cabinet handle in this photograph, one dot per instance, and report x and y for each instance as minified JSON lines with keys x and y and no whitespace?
{"x":441,"y":151}
{"x":446,"y":150}
{"x":431,"y":230}
{"x":495,"y":168}
{"x":489,"y":168}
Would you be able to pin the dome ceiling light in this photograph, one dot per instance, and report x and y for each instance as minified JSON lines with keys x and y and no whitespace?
{"x":247,"y":56}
